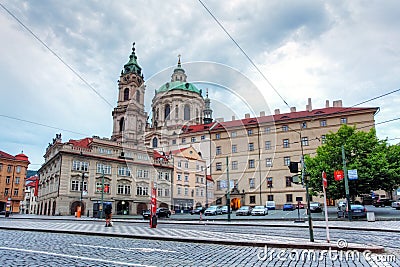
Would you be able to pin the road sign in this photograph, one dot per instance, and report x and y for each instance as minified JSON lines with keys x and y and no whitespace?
{"x":352,"y":174}
{"x":339,"y":175}
{"x":324,"y":180}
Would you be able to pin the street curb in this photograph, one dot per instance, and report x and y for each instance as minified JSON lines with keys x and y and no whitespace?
{"x":252,"y":243}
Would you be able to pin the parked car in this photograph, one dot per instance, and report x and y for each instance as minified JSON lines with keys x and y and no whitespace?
{"x":244,"y":210}
{"x":382,"y":202}
{"x":213,"y":210}
{"x":288,"y":206}
{"x":396,"y":205}
{"x":224,"y":210}
{"x":358,"y":211}
{"x":146,"y":214}
{"x":163,"y":212}
{"x":315,"y":207}
{"x":259,"y":210}
{"x":270,"y":205}
{"x":197,"y":210}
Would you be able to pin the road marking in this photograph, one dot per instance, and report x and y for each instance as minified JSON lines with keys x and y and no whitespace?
{"x":75,"y":257}
{"x":127,"y":249}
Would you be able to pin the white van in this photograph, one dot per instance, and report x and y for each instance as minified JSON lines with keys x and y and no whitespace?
{"x":270,"y":205}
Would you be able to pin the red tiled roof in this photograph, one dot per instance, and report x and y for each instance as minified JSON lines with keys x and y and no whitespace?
{"x":84,"y":143}
{"x":158,"y":155}
{"x":21,"y":157}
{"x":32,"y":178}
{"x":174,"y":152}
{"x":274,"y":118}
{"x":6,"y":155}
{"x":31,"y":184}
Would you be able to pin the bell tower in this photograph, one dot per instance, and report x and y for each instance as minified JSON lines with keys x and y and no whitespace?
{"x":129,"y":117}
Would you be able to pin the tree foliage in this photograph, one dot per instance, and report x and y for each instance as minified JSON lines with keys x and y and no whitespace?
{"x":375,"y":161}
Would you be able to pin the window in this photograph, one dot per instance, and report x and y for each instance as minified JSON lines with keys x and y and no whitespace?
{"x":251,"y":146}
{"x":186,"y":164}
{"x":304,"y":141}
{"x":183,"y":140}
{"x":17,"y":180}
{"x":166,"y":192}
{"x":268,"y":162}
{"x":186,"y":191}
{"x":126,"y":94}
{"x":80,"y":165}
{"x":323,"y":139}
{"x":288,"y":181}
{"x":186,"y":177}
{"x":250,"y":132}
{"x":155,"y":142}
{"x":251,"y":163}
{"x":1,"y":167}
{"x":103,"y":150}
{"x":100,"y":167}
{"x":269,"y":182}
{"x":75,"y":185}
{"x":179,"y":190}
{"x":233,"y":134}
{"x":176,"y":112}
{"x":234,"y":148}
{"x":343,"y":121}
{"x":251,"y":183}
{"x":159,"y":192}
{"x":9,"y":168}
{"x":166,"y":176}
{"x":122,"y":124}
{"x":303,"y":125}
{"x":218,"y":150}
{"x":18,"y":169}
{"x":218,"y":166}
{"x":8,"y":178}
{"x":124,"y":189}
{"x":124,"y":171}
{"x":289,"y":198}
{"x":142,"y":191}
{"x":285,"y":128}
{"x":16,"y":192}
{"x":218,"y":136}
{"x":179,"y":164}
{"x":286,"y":161}
{"x":179,"y":177}
{"x":6,"y":190}
{"x":203,"y":137}
{"x":267,"y":145}
{"x":142,"y":174}
{"x":174,"y":141}
{"x":193,"y":139}
{"x":270,"y":197}
{"x":167,"y":111}
{"x":138,"y":96}
{"x":186,"y":113}
{"x":322,"y":123}
{"x":252,"y":199}
{"x":267,"y":130}
{"x":234,"y":165}
{"x":285,"y":143}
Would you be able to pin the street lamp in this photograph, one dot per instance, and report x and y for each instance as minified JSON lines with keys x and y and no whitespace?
{"x":83,"y":178}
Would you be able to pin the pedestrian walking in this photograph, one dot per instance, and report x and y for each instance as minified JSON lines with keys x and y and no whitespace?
{"x":108,"y":213}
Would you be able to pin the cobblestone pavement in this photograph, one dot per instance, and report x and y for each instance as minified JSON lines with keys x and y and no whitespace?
{"x":24,"y":248}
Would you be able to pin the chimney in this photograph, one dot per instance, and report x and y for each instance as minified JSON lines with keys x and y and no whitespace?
{"x":337,"y":103}
{"x":277,"y":111}
{"x":233,"y":117}
{"x":309,"y":105}
{"x":262,"y":113}
{"x":293,"y":109}
{"x":327,"y":103}
{"x":247,"y":116}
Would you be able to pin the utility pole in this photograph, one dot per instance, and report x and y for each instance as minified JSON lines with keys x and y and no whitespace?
{"x":346,"y":184}
{"x":228,"y":194}
{"x":102,"y":193}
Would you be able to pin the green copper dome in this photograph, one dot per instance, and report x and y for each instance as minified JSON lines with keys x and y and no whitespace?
{"x":178,"y":85}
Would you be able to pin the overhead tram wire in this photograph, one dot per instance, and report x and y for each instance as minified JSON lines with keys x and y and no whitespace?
{"x":57,"y":56}
{"x":244,"y":53}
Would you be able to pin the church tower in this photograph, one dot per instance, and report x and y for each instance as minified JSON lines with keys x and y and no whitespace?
{"x":129,"y":117}
{"x":207,"y":112}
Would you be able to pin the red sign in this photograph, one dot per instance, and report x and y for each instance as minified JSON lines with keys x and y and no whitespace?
{"x":339,"y":175}
{"x":324,"y":180}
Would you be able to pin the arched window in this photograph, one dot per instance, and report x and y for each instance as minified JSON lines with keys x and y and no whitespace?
{"x":155,"y":142}
{"x":176,"y":112}
{"x":122,"y":124}
{"x":167,"y":111}
{"x":138,"y":96}
{"x":126,"y":94}
{"x":186,"y":113}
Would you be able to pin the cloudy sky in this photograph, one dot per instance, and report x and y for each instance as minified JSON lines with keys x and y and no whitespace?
{"x":332,"y":50}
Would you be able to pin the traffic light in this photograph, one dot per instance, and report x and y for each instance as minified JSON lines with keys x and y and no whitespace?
{"x":294,"y":167}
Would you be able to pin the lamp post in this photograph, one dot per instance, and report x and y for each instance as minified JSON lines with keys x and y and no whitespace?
{"x":102,"y":193}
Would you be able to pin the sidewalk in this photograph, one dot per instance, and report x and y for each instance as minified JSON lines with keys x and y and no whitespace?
{"x":128,"y":229}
